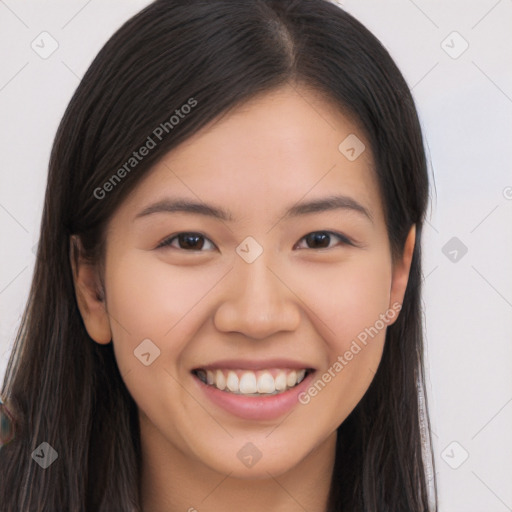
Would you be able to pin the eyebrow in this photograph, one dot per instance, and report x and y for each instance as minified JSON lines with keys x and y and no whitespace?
{"x":329,"y":203}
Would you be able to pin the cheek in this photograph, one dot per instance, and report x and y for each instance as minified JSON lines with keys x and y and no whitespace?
{"x":151,"y":296}
{"x":348,"y":303}
{"x":347,"y":298}
{"x":150,"y":299}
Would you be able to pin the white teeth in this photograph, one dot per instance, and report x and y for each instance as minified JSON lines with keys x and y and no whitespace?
{"x":280,"y":381}
{"x":232,"y":382}
{"x":291,"y":378}
{"x":220,"y":380}
{"x":266,"y":383}
{"x":248,"y":383}
{"x":252,"y":383}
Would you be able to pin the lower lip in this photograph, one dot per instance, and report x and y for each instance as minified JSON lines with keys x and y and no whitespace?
{"x":256,"y":407}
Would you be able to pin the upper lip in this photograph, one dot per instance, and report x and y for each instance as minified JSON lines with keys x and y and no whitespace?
{"x":253,"y":364}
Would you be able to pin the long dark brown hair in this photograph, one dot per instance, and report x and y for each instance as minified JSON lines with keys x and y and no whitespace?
{"x":63,"y":388}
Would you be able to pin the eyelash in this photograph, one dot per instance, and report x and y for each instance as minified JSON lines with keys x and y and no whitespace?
{"x":167,"y":242}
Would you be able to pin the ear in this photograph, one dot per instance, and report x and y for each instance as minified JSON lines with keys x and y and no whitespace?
{"x":89,"y":294}
{"x":401,"y":268}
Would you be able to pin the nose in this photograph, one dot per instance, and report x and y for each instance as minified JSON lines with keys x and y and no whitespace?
{"x":257,"y":301}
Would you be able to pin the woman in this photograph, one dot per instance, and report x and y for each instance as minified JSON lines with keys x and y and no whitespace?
{"x":186,"y":344}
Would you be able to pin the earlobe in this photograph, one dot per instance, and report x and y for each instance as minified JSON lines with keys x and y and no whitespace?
{"x":89,"y":294}
{"x":401,"y":270}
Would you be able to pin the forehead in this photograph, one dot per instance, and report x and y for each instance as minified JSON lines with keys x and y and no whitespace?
{"x":288,"y":122}
{"x":280,"y":147}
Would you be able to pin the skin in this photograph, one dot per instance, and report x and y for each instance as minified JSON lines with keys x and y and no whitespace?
{"x":298,"y":300}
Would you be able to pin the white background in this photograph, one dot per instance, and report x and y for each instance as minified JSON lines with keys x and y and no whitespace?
{"x":465,"y":105}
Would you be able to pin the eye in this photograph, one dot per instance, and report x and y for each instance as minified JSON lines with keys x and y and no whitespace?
{"x":195,"y":242}
{"x":188,"y":241}
{"x":322,"y":239}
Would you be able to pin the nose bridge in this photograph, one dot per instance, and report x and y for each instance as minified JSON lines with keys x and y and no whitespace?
{"x":257,"y":282}
{"x":256,"y":302}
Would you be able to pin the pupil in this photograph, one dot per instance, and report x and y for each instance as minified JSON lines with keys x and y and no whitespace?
{"x":192,"y":239}
{"x":321,"y":238}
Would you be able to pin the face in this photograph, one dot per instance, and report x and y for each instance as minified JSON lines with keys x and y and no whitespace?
{"x":277,"y":288}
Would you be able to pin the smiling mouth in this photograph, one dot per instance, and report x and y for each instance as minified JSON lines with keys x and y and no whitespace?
{"x":252,"y":383}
